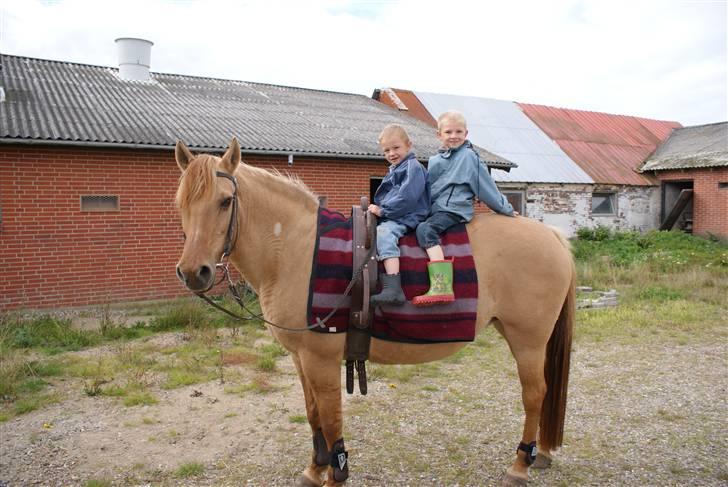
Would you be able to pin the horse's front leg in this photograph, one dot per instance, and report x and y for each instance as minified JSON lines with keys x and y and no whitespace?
{"x":313,"y":474}
{"x":321,"y":381}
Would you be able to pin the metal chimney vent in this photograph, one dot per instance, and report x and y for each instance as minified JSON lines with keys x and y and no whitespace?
{"x":134,"y":58}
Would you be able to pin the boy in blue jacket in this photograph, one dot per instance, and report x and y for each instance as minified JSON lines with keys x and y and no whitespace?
{"x":401,"y":202}
{"x":455,"y":175}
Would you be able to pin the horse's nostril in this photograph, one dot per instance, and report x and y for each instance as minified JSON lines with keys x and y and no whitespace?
{"x":205,"y":273}
{"x":180,"y":276}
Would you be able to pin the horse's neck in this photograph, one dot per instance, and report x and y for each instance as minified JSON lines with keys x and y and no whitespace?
{"x":276,"y":234}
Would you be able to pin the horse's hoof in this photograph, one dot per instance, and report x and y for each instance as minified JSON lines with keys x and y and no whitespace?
{"x":304,"y":481}
{"x":510,"y":480}
{"x":542,"y":461}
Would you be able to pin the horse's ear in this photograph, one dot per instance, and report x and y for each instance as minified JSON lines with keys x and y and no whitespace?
{"x":183,"y":155}
{"x":231,"y":159}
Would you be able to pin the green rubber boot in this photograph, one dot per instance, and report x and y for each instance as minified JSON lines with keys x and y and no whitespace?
{"x":440,"y":292}
{"x":391,"y":291}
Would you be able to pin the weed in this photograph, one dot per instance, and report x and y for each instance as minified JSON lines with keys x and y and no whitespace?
{"x":140,"y":398}
{"x":97,"y":483}
{"x":190,"y":470}
{"x":298,"y":419}
{"x":266,"y":363}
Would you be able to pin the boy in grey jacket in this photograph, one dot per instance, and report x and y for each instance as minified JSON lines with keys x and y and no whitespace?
{"x":455,"y":177}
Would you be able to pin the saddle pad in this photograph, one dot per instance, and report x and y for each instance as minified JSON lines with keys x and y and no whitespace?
{"x":332,"y":271}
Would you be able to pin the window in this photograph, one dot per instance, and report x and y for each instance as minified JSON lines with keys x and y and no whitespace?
{"x":723,"y":185}
{"x":604,"y":204}
{"x":99,"y":203}
{"x":515,"y":198}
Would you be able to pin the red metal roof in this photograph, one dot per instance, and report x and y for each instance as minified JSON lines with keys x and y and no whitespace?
{"x":607,"y":147}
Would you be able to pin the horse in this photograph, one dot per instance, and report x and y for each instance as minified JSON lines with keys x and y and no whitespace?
{"x":265,"y":223}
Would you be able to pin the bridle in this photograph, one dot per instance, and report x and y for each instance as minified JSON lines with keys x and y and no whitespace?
{"x":231,"y":237}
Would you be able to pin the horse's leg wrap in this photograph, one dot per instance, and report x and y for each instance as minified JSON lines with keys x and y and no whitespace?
{"x":339,"y":461}
{"x":530,"y":450}
{"x":320,"y":451}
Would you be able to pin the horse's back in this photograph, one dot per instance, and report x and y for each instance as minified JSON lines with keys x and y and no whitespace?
{"x":524,"y":269}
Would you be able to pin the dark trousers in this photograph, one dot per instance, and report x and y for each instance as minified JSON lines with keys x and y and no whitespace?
{"x":429,"y":231}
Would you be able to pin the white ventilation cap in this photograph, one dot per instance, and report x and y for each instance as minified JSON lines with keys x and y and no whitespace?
{"x":134,"y":58}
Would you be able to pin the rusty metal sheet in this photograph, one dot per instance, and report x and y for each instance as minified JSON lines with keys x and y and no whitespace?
{"x":610,"y":148}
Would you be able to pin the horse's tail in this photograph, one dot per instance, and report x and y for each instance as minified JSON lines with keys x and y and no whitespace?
{"x":558,"y":354}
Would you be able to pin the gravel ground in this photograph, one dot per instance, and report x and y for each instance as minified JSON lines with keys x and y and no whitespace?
{"x":639,"y":414}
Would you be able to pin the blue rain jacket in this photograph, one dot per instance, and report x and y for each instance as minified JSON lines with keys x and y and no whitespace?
{"x":404,"y":195}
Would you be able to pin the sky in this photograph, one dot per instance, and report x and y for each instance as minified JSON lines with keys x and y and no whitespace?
{"x":661,"y":59}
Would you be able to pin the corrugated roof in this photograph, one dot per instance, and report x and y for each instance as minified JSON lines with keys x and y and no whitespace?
{"x":501,"y":127}
{"x":692,"y":147}
{"x":608,"y":147}
{"x":56,"y":101}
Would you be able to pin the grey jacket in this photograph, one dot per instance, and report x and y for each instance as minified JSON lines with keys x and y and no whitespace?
{"x":456,"y":176}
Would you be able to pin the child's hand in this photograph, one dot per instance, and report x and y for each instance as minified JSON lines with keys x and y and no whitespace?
{"x":375,"y":209}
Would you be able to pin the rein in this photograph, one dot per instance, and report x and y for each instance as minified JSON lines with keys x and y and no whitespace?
{"x":230,"y":241}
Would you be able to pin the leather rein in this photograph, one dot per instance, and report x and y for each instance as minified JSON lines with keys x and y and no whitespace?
{"x":231,"y":237}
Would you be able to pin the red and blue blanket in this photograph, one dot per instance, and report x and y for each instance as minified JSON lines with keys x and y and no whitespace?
{"x":332,"y":271}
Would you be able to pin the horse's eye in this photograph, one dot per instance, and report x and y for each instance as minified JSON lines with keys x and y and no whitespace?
{"x":184,"y":237}
{"x":225,"y":204}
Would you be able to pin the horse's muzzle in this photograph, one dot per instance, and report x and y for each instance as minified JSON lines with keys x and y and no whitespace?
{"x":199,"y":280}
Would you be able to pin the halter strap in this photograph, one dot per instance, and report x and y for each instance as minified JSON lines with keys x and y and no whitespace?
{"x":229,"y":240}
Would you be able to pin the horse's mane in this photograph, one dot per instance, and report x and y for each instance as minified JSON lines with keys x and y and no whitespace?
{"x":198,"y":180}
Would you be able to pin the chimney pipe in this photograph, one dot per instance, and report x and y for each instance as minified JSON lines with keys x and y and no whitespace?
{"x":134,"y":58}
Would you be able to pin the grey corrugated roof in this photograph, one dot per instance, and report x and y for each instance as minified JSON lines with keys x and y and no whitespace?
{"x":503,"y":128}
{"x":691,"y":147}
{"x":52,"y":101}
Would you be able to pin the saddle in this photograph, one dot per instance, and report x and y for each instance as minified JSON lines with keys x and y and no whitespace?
{"x":359,"y":334}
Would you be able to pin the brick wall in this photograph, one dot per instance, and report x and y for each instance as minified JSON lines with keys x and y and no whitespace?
{"x":53,"y":254}
{"x":710,"y":200}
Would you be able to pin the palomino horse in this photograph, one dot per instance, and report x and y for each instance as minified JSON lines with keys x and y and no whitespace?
{"x":526,"y":290}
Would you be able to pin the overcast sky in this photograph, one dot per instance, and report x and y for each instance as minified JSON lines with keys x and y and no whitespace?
{"x":663,"y":59}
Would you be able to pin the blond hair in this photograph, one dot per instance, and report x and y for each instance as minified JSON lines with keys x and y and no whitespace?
{"x":451,"y":116}
{"x":396,"y":131}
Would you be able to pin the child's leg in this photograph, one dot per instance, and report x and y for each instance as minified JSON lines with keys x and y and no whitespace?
{"x":391,"y":265}
{"x":439,"y":270}
{"x":429,"y":231}
{"x":435,"y":253}
{"x":388,"y":234}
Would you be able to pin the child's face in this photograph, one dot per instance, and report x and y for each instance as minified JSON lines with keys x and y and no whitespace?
{"x":452,"y":134}
{"x":394,"y":148}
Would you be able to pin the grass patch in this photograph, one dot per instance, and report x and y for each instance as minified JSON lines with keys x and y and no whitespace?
{"x":298,"y":419}
{"x":190,"y":470}
{"x":140,"y":398}
{"x":97,"y":483}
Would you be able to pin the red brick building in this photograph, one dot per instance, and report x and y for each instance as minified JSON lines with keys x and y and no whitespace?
{"x":88,"y":177}
{"x":692,"y":166}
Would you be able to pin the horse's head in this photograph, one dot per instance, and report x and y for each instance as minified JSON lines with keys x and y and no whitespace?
{"x":207,"y":201}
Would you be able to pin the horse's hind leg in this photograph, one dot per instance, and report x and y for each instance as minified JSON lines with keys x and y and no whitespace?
{"x":530,"y":354}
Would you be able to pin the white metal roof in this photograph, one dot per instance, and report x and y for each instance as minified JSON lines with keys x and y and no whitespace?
{"x":501,"y":127}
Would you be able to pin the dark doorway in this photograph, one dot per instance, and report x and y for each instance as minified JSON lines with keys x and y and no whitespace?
{"x":674,"y":196}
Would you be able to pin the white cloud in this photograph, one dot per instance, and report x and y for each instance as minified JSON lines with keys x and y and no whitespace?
{"x":661,"y":59}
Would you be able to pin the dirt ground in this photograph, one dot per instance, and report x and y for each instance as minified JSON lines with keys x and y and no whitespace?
{"x":639,"y":414}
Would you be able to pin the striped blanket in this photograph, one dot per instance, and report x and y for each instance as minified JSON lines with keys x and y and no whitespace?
{"x":332,"y":270}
